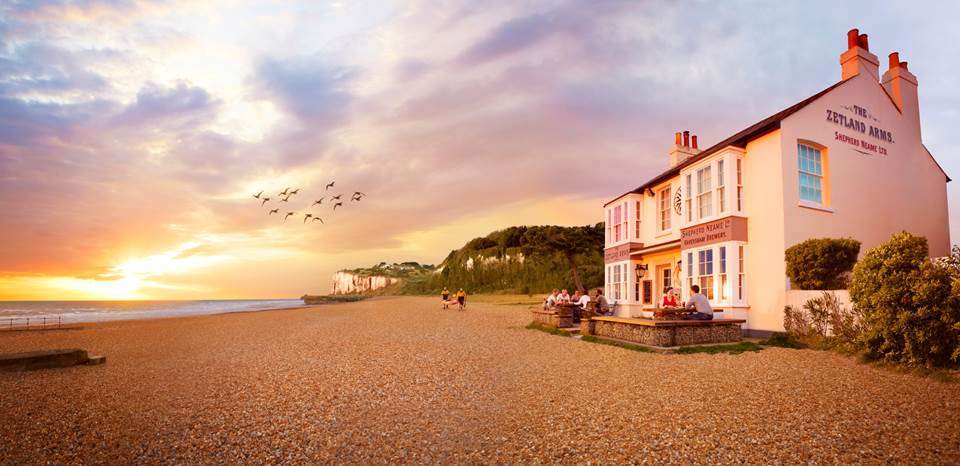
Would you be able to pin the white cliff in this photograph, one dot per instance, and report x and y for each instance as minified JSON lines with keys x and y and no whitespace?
{"x":349,"y":283}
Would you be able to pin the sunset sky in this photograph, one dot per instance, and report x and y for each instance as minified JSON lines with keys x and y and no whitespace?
{"x":133,"y":133}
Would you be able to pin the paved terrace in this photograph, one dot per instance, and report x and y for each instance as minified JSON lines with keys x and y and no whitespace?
{"x":399,"y":380}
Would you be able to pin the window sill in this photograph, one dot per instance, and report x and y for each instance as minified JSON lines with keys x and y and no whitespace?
{"x":814,"y":206}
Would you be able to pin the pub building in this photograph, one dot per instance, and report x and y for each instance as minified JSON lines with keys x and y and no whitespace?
{"x":848,"y":161}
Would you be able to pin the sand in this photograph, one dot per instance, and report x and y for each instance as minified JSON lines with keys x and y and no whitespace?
{"x":399,"y":380}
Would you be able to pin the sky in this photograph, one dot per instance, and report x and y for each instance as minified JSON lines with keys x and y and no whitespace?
{"x":133,"y":134}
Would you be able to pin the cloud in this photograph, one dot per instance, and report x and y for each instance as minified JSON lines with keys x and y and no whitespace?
{"x":180,"y":106}
{"x":308,"y":88}
{"x":508,"y":38}
{"x":116,"y":119}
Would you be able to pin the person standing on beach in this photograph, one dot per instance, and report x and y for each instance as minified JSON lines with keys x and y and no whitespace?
{"x":462,"y":298}
{"x":445,"y":297}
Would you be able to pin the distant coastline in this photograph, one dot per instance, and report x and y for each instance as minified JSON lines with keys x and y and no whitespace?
{"x":106,"y":311}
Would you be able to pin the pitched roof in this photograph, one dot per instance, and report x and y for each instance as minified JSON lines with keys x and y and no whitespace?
{"x":739,"y":140}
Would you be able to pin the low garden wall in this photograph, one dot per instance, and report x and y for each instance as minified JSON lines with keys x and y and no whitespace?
{"x":668,"y":333}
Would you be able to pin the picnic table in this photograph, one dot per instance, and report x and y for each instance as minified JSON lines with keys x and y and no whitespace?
{"x":672,"y":313}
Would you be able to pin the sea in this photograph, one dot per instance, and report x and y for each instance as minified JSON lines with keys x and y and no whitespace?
{"x":101,"y":311}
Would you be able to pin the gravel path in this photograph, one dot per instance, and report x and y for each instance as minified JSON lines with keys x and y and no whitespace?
{"x":399,"y":380}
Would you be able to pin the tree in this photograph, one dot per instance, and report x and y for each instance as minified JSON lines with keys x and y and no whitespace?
{"x":568,"y":242}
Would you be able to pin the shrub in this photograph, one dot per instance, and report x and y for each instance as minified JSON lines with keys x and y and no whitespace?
{"x":910,"y":305}
{"x":821,"y":263}
{"x":822,"y":322}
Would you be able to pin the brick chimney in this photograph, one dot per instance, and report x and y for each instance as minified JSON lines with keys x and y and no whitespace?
{"x":901,"y":84}
{"x":858,"y":59}
{"x":684,"y":147}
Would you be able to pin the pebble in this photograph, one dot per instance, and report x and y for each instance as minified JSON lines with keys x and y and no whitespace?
{"x":398,"y":380}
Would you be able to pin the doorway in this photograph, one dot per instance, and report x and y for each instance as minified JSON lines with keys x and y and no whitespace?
{"x":664,"y":281}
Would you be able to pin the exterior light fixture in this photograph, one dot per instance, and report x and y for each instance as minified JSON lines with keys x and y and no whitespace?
{"x":641,"y":270}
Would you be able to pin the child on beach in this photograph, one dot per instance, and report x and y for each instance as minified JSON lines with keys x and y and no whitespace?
{"x":445,"y":298}
{"x":462,"y":298}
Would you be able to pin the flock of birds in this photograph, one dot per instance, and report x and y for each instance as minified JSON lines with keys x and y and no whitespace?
{"x":288,"y":193}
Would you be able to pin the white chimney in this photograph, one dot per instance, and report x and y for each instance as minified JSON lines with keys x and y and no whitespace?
{"x":683,"y":148}
{"x":901,"y":84}
{"x":858,"y":59}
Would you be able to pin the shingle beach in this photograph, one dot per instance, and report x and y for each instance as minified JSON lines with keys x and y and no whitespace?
{"x":398,"y":380}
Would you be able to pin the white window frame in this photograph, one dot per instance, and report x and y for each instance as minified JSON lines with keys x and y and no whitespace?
{"x":704,"y":191}
{"x":813,"y":169}
{"x":739,"y":184}
{"x":664,"y":220}
{"x":637,"y":218}
{"x":721,"y":197}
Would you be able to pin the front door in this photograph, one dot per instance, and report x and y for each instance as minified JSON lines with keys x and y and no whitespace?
{"x":664,"y":282}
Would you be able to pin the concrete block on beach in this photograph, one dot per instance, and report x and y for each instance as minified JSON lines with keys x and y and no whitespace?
{"x":47,"y":359}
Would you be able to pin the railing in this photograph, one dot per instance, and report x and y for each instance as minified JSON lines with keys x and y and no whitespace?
{"x":31,"y":322}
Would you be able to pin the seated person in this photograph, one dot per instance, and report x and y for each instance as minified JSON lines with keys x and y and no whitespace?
{"x":671,"y":300}
{"x":551,"y":300}
{"x":700,"y":304}
{"x":602,"y":306}
{"x":583,"y":300}
{"x":564,"y":297}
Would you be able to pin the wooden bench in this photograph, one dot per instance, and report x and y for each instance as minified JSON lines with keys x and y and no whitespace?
{"x":665,"y":333}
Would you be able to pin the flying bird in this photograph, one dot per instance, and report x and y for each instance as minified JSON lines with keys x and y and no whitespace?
{"x":357,"y":196}
{"x":295,"y":191}
{"x":285,"y":192}
{"x":274,"y":211}
{"x":315,"y":219}
{"x":288,"y":214}
{"x":329,"y":185}
{"x":286,"y":199}
{"x":257,"y":196}
{"x":337,"y":205}
{"x":307,"y":217}
{"x":319,"y":201}
{"x":337,"y":197}
{"x":264,"y":201}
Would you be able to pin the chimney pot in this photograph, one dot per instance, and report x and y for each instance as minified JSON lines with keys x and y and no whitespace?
{"x":693,"y":141}
{"x":863,"y":42}
{"x":903,"y":65}
{"x":894,"y":60}
{"x":852,"y":38}
{"x":686,"y":139}
{"x":679,"y":136}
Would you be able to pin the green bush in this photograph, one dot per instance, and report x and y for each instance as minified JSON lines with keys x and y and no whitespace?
{"x":821,"y":263}
{"x":910,"y":305}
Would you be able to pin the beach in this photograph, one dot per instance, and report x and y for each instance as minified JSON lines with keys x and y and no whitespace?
{"x":398,"y":380}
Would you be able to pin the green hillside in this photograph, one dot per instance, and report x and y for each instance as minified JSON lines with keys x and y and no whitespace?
{"x":520,"y":259}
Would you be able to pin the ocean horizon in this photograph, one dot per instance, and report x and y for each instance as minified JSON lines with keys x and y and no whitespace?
{"x":112,"y":310}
